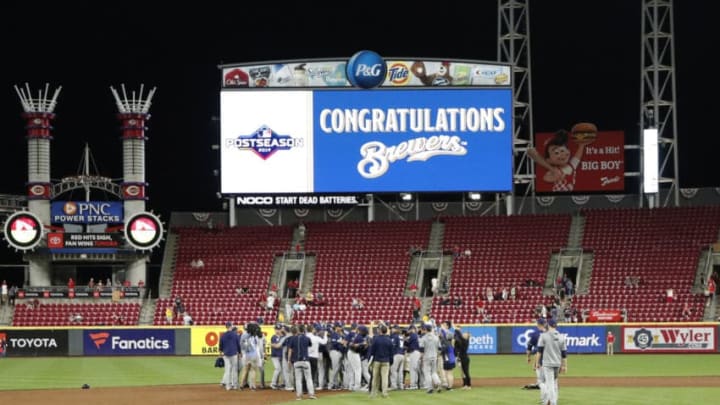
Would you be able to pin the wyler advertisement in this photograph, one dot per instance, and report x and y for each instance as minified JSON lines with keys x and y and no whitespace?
{"x":582,"y":159}
{"x":670,"y":339}
{"x":120,"y":342}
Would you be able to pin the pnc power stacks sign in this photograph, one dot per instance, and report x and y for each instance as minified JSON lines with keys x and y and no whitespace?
{"x":366,"y":125}
{"x":77,"y":218}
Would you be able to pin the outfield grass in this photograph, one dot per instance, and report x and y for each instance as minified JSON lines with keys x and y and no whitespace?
{"x":72,"y":372}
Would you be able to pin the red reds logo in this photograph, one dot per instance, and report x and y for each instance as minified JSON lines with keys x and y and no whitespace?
{"x":132,"y":191}
{"x":37,"y":189}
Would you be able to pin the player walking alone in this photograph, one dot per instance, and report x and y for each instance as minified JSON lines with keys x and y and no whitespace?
{"x":553,"y":349}
{"x":531,"y":351}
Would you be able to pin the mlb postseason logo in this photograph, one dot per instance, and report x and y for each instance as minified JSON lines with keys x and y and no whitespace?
{"x":366,"y":69}
{"x":265,"y":142}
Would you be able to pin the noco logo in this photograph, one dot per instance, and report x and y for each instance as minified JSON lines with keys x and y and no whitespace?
{"x":366,"y":69}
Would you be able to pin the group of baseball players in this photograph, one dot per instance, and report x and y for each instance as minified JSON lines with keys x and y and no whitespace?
{"x":242,"y":356}
{"x":375,"y":358}
{"x":547,"y":352}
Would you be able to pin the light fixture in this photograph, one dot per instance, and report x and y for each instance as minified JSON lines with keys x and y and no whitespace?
{"x":406,"y":196}
{"x":474,"y":196}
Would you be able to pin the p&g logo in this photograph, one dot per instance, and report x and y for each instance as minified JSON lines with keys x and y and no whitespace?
{"x":366,"y":69}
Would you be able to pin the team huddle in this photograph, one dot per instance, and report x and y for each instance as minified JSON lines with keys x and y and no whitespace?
{"x":374,"y":359}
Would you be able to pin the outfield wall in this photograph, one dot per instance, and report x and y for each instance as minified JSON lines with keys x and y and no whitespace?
{"x":485,"y":339}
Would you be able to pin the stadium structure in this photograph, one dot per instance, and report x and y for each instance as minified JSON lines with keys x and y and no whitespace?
{"x":486,"y":250}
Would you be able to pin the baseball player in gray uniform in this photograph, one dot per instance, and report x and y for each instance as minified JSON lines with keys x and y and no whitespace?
{"x":553,"y":349}
{"x":431,"y":345}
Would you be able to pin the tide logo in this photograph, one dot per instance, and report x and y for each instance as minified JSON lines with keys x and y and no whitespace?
{"x":366,"y":69}
{"x":99,"y":338}
{"x":398,"y":74}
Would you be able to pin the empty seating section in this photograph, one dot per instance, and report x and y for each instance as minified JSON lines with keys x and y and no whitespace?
{"x":233,"y":258}
{"x":504,"y":252}
{"x":53,"y":313}
{"x":660,"y":246}
{"x":365,"y":260}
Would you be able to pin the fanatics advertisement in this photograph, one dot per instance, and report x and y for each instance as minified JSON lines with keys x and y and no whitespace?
{"x":669,"y":339}
{"x":27,"y":343}
{"x":121,"y":342}
{"x":579,"y":161}
{"x":349,"y":141}
{"x":332,"y":73}
{"x":579,"y":339}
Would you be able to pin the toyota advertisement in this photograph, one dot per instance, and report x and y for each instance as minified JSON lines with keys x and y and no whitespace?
{"x":356,"y":141}
{"x":579,"y":339}
{"x":120,"y":342}
{"x":31,"y":343}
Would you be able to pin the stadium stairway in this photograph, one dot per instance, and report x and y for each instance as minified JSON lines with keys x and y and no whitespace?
{"x":6,"y":315}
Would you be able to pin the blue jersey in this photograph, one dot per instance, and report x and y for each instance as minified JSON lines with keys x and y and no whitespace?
{"x":532,"y":344}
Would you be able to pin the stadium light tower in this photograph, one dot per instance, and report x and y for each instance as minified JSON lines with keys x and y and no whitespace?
{"x":514,"y":48}
{"x":658,"y":109}
{"x":133,"y":113}
{"x":38,"y":113}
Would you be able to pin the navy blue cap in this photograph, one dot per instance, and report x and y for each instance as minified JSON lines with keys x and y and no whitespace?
{"x":362,"y":329}
{"x":338,"y":325}
{"x":228,"y":324}
{"x":552,"y":323}
{"x":427,"y":326}
{"x":541,"y":321}
{"x":354,"y":325}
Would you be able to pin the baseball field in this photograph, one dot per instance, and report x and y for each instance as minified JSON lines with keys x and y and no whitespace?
{"x":497,"y":379}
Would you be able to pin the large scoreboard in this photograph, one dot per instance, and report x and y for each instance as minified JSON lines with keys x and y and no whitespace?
{"x":318,"y":127}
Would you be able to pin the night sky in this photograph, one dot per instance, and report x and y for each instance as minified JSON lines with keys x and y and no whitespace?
{"x":585,"y":67}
